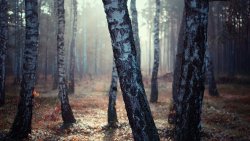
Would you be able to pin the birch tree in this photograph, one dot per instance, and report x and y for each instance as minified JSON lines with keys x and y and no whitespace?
{"x":22,"y":122}
{"x":72,"y":50}
{"x":112,"y":115}
{"x":135,"y":28}
{"x":3,"y":47}
{"x":55,"y":70}
{"x":177,"y":69}
{"x":154,"y":82}
{"x":130,"y":78}
{"x":67,"y":114}
{"x":189,"y":95}
{"x":85,"y":42}
{"x":18,"y":41}
{"x":212,"y":88}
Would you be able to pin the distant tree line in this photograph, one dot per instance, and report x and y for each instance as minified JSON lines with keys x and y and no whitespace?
{"x":188,"y":57}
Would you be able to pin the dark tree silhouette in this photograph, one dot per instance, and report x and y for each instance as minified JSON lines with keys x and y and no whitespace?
{"x":190,"y":89}
{"x":112,"y":116}
{"x":154,"y":81}
{"x":67,"y":114}
{"x":130,"y":78}
{"x":72,"y":50}
{"x":3,"y":47}
{"x":22,"y":123}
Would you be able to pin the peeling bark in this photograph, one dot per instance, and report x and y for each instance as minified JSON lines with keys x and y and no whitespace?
{"x":130,"y":78}
{"x":190,"y":90}
{"x":22,"y":123}
{"x":67,"y":114}
{"x":154,"y":81}
{"x":3,"y":47}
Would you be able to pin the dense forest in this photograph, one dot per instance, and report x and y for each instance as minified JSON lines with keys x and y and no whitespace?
{"x":84,"y":70}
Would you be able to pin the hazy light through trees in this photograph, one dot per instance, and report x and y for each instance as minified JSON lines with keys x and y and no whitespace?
{"x":96,"y":20}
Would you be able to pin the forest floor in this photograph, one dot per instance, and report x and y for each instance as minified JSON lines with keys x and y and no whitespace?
{"x":224,"y":118}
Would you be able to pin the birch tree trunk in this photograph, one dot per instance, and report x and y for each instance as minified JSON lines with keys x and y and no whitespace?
{"x":67,"y":114}
{"x":180,"y":49}
{"x":46,"y":52}
{"x":112,"y":116}
{"x":149,"y":50}
{"x":137,"y":107}
{"x":18,"y":44}
{"x":22,"y":122}
{"x":212,"y":25}
{"x":3,"y":47}
{"x":212,"y":88}
{"x":154,"y":82}
{"x":55,"y":74}
{"x":134,"y":21}
{"x":85,"y":43}
{"x":55,"y":71}
{"x":188,"y":101}
{"x":72,"y":50}
{"x":177,"y":68}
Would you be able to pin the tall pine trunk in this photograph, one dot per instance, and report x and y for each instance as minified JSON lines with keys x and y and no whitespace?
{"x":130,"y":78}
{"x":67,"y":114}
{"x":22,"y":123}
{"x":112,"y":116}
{"x":3,"y":47}
{"x":154,"y":81}
{"x":134,"y":22}
{"x":190,"y":90}
{"x":72,"y":50}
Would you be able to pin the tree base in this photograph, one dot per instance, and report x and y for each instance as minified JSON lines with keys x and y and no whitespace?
{"x":214,"y":92}
{"x":16,"y":136}
{"x":66,"y":126}
{"x":111,"y":125}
